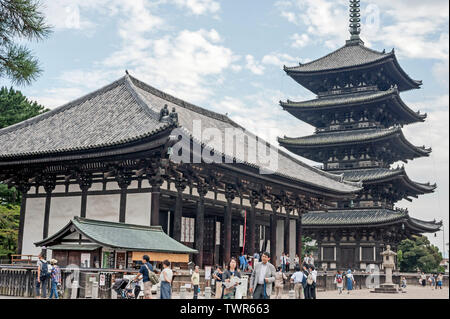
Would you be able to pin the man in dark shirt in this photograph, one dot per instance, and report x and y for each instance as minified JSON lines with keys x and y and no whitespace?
{"x":144,"y":271}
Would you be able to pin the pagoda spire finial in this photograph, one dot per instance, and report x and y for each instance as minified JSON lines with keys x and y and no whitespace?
{"x":355,"y":22}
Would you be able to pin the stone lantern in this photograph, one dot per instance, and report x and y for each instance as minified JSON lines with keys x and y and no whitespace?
{"x":388,"y":265}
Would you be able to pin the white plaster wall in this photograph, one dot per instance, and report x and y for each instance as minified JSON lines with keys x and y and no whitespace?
{"x":34,"y":225}
{"x":280,"y":239}
{"x":96,"y":187}
{"x":145,"y":183}
{"x":138,"y":209}
{"x":60,"y":189}
{"x":62,"y":210}
{"x":292,"y":240}
{"x":103,"y":207}
{"x":74,"y":188}
{"x":111,"y":186}
{"x":133,"y":185}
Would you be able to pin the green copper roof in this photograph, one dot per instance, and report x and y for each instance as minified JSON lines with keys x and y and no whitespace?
{"x":122,"y":236}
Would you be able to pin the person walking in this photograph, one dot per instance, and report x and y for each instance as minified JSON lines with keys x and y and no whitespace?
{"x":217,"y":275}
{"x":423,"y":279}
{"x":296,"y":261}
{"x":350,"y":281}
{"x":165,"y":278}
{"x":297,"y":279}
{"x":230,"y":280}
{"x":403,"y":283}
{"x":312,"y":287}
{"x":55,"y":279}
{"x":43,"y":275}
{"x":279,"y":283}
{"x":439,"y":280}
{"x":262,"y":278}
{"x":146,"y":271}
{"x":288,"y":263}
{"x":305,"y":282}
{"x":195,"y":280}
{"x":242,"y":262}
{"x":283,"y":262}
{"x":339,"y":281}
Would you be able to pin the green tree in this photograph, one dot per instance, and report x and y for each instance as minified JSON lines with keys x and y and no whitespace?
{"x":9,"y":225}
{"x":307,"y":248}
{"x":20,"y":19}
{"x":418,"y":254}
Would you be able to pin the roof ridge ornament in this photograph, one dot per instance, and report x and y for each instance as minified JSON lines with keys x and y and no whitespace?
{"x":355,"y":23}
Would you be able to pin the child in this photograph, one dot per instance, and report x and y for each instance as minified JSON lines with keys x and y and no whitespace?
{"x":339,"y":281}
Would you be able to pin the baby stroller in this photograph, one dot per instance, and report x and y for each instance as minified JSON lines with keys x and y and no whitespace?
{"x":126,"y":289}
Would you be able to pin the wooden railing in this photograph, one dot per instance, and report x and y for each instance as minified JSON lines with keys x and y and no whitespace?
{"x":23,"y":259}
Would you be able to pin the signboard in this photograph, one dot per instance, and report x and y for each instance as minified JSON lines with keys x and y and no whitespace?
{"x":187,"y":229}
{"x":241,"y":236}
{"x":207,"y":272}
{"x":217,"y":233}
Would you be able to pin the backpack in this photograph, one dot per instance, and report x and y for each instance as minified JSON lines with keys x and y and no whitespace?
{"x":44,"y":270}
{"x":304,"y":280}
{"x":152,"y":276}
{"x":310,"y":279}
{"x":339,"y":279}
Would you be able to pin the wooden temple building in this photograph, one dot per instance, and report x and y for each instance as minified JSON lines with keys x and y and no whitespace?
{"x":108,"y":157}
{"x":358,"y":115}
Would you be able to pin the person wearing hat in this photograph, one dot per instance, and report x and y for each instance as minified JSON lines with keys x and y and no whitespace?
{"x":55,"y":277}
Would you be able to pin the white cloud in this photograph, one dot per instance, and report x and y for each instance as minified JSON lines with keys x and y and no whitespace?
{"x":300,"y":40}
{"x":253,"y":65}
{"x":279,"y":59}
{"x":199,"y":7}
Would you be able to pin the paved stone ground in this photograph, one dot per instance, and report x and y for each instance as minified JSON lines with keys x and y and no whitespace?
{"x":413,"y":292}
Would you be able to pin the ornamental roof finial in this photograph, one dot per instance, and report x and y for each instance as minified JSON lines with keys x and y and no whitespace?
{"x":355,"y":21}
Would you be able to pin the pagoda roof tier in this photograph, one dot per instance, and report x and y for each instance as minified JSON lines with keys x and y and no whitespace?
{"x":384,"y":175}
{"x":367,"y":218}
{"x":126,"y":116}
{"x":311,"y":111}
{"x":371,"y":137}
{"x":352,"y":56}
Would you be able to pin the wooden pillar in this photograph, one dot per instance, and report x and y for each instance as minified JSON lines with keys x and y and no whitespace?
{"x":287,"y":230}
{"x":156,"y":193}
{"x":23,"y":188}
{"x":49,"y":186}
{"x":252,"y":230}
{"x":275,"y":203}
{"x":298,"y":238}
{"x":85,"y":182}
{"x":202,"y":190}
{"x":180,"y":185}
{"x":123,"y":179}
{"x":230,"y":194}
{"x":358,"y":250}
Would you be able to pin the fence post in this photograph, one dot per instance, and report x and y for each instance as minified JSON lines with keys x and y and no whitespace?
{"x":207,"y":292}
{"x":74,"y":292}
{"x":183,"y":292}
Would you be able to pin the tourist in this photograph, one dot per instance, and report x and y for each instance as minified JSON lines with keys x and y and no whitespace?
{"x":146,"y":271}
{"x":55,"y":277}
{"x":288,"y":263}
{"x":423,"y":279}
{"x":262,"y":278}
{"x":432,"y":281}
{"x":296,"y":261}
{"x":242,"y":262}
{"x":297,"y":280}
{"x":439,"y":280}
{"x":339,"y":281}
{"x":43,"y":274}
{"x":283,"y":262}
{"x":314,"y":284}
{"x":279,"y":283}
{"x":403,"y":283}
{"x":311,"y":259}
{"x":250,"y":264}
{"x":217,"y":275}
{"x":195,"y":280}
{"x":231,"y":279}
{"x":165,"y":278}
{"x":350,"y":281}
{"x":305,"y":260}
{"x":256,"y":257}
{"x":305,"y":282}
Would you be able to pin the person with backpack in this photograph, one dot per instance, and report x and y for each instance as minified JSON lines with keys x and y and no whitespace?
{"x":312,"y":287}
{"x":339,"y":281}
{"x":305,"y":282}
{"x":55,"y":276}
{"x":309,"y":293}
{"x":43,"y":275}
{"x":148,"y":277}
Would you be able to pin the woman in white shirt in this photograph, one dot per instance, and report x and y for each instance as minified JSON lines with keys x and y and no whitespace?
{"x":165,"y":279}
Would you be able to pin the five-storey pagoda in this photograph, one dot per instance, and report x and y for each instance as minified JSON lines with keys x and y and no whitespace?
{"x":359,"y":115}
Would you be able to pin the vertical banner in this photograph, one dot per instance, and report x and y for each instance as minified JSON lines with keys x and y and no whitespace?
{"x":217,"y":233}
{"x":241,"y":236}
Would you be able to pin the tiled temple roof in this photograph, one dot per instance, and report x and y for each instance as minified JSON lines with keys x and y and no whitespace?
{"x":374,"y":216}
{"x":122,"y":236}
{"x":344,"y":57}
{"x":355,"y":99}
{"x":128,"y":110}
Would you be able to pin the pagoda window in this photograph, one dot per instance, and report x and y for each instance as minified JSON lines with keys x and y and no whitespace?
{"x":367,"y":253}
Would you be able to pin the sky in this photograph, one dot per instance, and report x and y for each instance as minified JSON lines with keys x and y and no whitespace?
{"x":228,"y":56}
